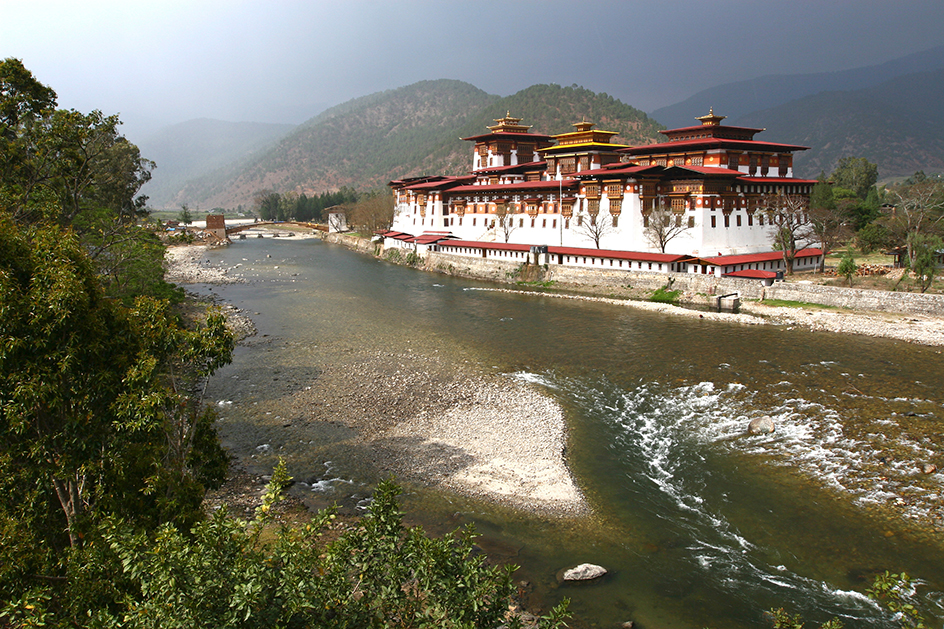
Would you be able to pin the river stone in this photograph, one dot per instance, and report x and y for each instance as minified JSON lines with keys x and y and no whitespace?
{"x":761,"y":426}
{"x":584,"y":572}
{"x":929,"y":468}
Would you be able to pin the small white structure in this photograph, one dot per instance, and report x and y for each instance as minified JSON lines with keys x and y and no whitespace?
{"x":337,"y":220}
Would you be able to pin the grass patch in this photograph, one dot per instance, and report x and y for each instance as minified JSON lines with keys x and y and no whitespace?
{"x":784,"y":303}
{"x":546,"y":284}
{"x":663,"y":296}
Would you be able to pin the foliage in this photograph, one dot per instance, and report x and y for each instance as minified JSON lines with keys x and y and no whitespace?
{"x":926,"y":249}
{"x":185,"y":216}
{"x":857,"y":174}
{"x":665,"y":295}
{"x":273,"y":206}
{"x":413,"y":259}
{"x":847,"y":267}
{"x":373,"y":212}
{"x":918,"y":209}
{"x":98,"y":405}
{"x":872,"y":237}
{"x":894,"y":591}
{"x":376,"y":574}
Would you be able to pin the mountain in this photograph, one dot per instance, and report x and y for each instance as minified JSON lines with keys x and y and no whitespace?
{"x":196,"y":147}
{"x":743,"y":97}
{"x":898,"y":125}
{"x":413,"y":130}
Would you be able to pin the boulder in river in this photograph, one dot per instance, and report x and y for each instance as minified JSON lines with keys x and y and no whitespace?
{"x":584,"y":572}
{"x":761,"y":426}
{"x":928,"y":468}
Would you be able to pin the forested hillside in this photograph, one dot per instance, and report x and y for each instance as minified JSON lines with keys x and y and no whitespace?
{"x":898,"y":125}
{"x":413,"y":130}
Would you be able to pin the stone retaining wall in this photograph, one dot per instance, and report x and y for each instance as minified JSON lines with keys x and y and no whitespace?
{"x":696,"y":287}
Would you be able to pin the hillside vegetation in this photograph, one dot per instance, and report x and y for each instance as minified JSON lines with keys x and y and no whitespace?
{"x":410,"y":131}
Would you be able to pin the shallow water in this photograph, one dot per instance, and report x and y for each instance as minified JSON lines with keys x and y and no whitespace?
{"x":699,"y":524}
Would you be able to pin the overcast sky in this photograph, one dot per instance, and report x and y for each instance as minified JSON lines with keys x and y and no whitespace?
{"x":159,"y":62}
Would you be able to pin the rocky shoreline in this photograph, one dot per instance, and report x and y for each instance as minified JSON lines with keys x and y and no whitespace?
{"x":428,"y":421}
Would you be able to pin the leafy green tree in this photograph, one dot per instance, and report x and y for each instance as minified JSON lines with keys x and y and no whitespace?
{"x":872,"y":237}
{"x":98,"y":405}
{"x":927,"y":249}
{"x":857,"y":174}
{"x":185,"y":216}
{"x":847,"y":267}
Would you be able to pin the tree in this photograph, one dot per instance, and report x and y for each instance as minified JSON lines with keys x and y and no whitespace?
{"x":793,"y":230}
{"x":826,"y":220}
{"x":594,"y":227}
{"x":505,"y":220}
{"x":927,"y":249}
{"x":374,"y":212}
{"x":918,"y":209}
{"x":90,"y":391}
{"x":847,"y":267}
{"x":267,"y":205}
{"x":185,"y":216}
{"x":663,"y":225}
{"x":857,"y":174}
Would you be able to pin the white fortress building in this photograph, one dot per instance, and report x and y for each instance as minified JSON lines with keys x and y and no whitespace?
{"x":578,"y":194}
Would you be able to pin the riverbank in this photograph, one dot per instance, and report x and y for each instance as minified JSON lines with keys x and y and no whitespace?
{"x":428,"y":421}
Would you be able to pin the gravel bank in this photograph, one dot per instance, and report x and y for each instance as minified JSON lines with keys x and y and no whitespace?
{"x":430,"y":421}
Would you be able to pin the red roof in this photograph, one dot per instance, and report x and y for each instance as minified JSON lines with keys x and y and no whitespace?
{"x":709,"y":170}
{"x":428,"y":238}
{"x":616,"y":169}
{"x":753,"y":274}
{"x":506,"y":135}
{"x":522,"y":166}
{"x":756,"y":257}
{"x":776,"y":180}
{"x":441,"y":184}
{"x":642,"y":256}
{"x":478,"y":244}
{"x":706,"y":143}
{"x":524,"y":185}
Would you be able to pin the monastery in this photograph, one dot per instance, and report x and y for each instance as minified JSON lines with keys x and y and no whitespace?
{"x":699,"y":202}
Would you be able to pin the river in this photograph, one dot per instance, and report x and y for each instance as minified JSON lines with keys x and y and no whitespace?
{"x":699,"y":524}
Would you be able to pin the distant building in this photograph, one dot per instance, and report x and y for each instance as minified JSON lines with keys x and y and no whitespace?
{"x":337,"y":219}
{"x":580,"y":190}
{"x":216,"y":225}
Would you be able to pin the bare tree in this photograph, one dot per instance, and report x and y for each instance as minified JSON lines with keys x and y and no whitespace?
{"x":374,"y":213}
{"x":918,"y":209}
{"x":662,"y":225}
{"x":793,"y":230}
{"x":594,"y":227}
{"x":505,"y":220}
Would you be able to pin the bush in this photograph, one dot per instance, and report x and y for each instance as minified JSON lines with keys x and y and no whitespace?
{"x":664,"y":296}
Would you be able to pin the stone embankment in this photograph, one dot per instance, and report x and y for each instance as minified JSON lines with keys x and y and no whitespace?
{"x":913,"y":317}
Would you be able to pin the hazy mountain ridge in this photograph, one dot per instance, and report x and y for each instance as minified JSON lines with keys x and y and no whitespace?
{"x":898,"y":125}
{"x":744,"y":97}
{"x":413,"y":130}
{"x":189,"y":149}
